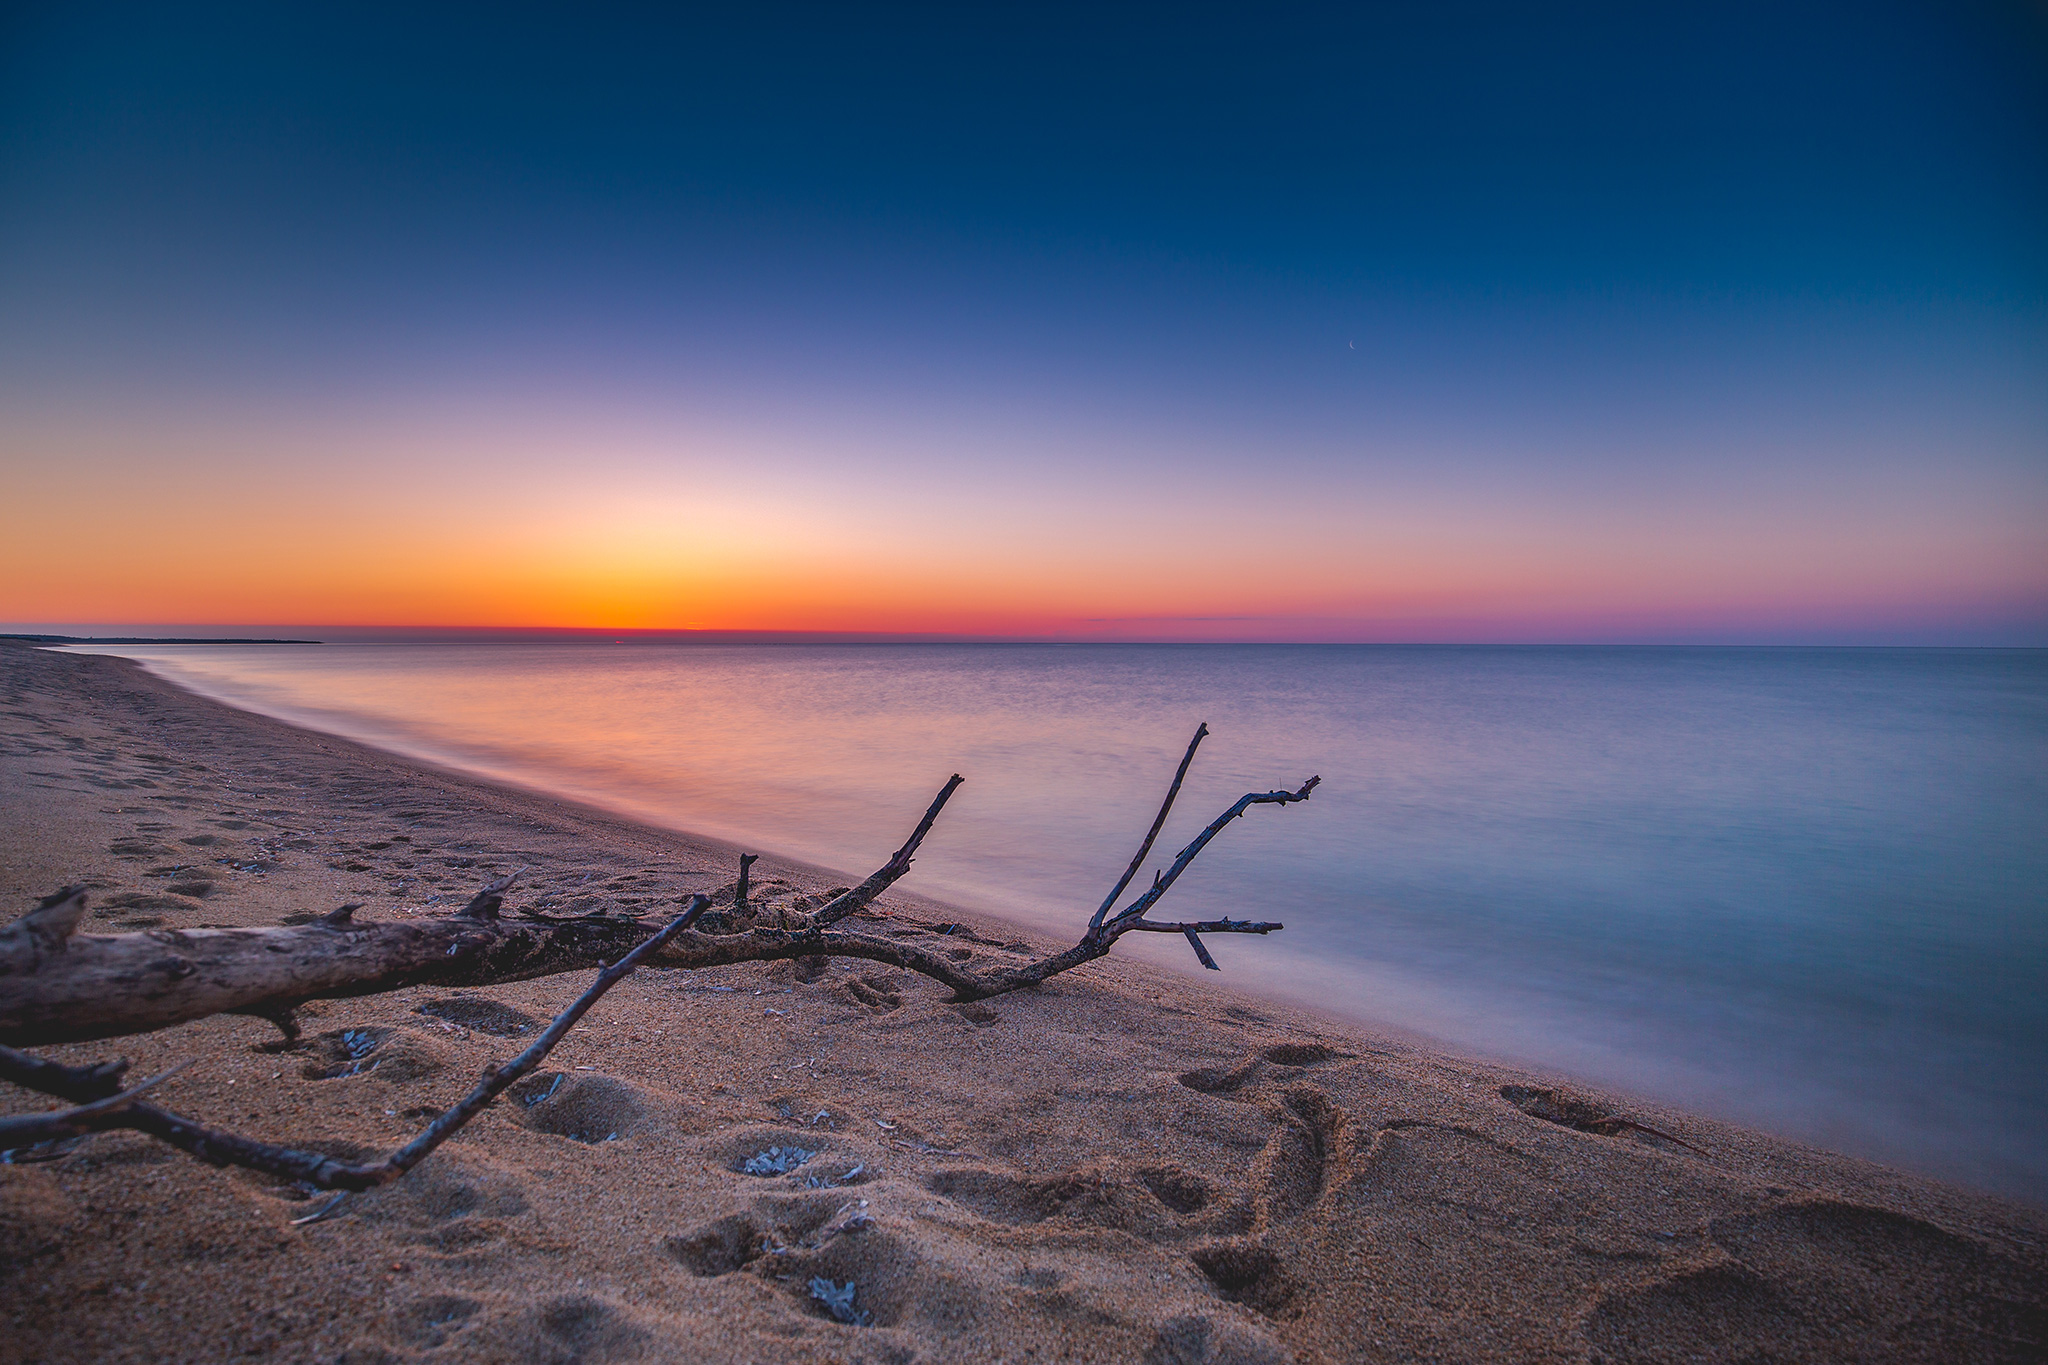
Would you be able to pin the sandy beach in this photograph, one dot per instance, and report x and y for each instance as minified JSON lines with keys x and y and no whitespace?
{"x":1119,"y":1166}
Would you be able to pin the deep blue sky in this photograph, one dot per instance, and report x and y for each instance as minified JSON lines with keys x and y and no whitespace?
{"x":1629,"y":257}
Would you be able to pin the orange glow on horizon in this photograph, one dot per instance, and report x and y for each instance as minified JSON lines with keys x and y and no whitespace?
{"x":387,"y":532}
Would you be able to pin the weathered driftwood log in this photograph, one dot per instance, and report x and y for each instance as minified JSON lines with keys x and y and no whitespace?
{"x":59,"y":985}
{"x":221,"y":1148}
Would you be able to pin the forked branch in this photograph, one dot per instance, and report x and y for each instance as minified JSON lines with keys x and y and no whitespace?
{"x":1133,"y":916}
{"x":1158,"y":823}
{"x":59,"y":985}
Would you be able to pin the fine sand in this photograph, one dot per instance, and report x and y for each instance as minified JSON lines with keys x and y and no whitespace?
{"x":1121,"y":1166}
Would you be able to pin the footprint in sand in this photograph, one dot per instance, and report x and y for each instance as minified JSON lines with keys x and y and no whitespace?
{"x":879,"y":993}
{"x":458,"y":1199}
{"x":1823,"y":1280}
{"x":591,"y":1109}
{"x":1248,"y":1272}
{"x":1196,"y":1339}
{"x":1289,"y":1174}
{"x":1216,"y":1080}
{"x":430,"y":1322}
{"x":744,"y":1150}
{"x":584,"y":1329}
{"x":1229,"y":1080}
{"x":482,"y":1015}
{"x":123,"y":902}
{"x":1181,"y":1190}
{"x":719,"y":1247}
{"x":397,"y":1056}
{"x":1584,"y":1115}
{"x":1288,"y":1177}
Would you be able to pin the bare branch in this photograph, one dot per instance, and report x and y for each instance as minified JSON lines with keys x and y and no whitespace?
{"x":1162,"y":884}
{"x":1158,"y":823}
{"x":78,"y":1083}
{"x":104,"y":985}
{"x":856,"y":900}
{"x":1205,"y":926}
{"x":26,"y":1129}
{"x":495,"y":1084}
{"x":221,"y":1148}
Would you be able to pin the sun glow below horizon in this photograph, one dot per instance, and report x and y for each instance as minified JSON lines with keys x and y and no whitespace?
{"x":367,"y":528}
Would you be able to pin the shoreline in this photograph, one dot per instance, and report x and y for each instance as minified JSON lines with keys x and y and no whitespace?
{"x":1123,"y":1164}
{"x":646,"y":827}
{"x":1659,"y":965}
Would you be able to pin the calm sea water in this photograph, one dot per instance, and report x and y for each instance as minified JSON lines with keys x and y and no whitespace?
{"x":1806,"y":890}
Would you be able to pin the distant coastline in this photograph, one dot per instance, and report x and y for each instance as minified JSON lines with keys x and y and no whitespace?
{"x":146,"y":640}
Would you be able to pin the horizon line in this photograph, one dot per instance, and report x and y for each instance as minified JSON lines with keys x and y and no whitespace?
{"x":81,"y":633}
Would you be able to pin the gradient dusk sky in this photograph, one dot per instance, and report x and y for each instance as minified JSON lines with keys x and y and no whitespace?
{"x":1368,"y":322}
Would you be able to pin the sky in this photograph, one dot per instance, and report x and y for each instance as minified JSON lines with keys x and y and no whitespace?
{"x":1458,"y":322}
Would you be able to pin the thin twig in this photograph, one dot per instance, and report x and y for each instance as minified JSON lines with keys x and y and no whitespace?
{"x":28,"y":1129}
{"x":1205,"y":926}
{"x":1158,"y":823}
{"x":76,"y":1083}
{"x":851,"y":902}
{"x":495,"y":1084}
{"x":1162,"y":884}
{"x":327,"y":1209}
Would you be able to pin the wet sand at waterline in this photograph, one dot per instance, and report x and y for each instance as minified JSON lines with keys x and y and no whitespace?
{"x":1121,"y":1165}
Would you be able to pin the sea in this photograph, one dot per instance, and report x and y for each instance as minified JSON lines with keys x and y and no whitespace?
{"x":1802,"y":889}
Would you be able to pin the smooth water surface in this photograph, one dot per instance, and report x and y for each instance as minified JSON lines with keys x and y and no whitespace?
{"x":1805,"y":889}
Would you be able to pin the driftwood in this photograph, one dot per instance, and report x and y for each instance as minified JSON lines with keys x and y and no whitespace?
{"x":124,"y":1110}
{"x":58,"y":985}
